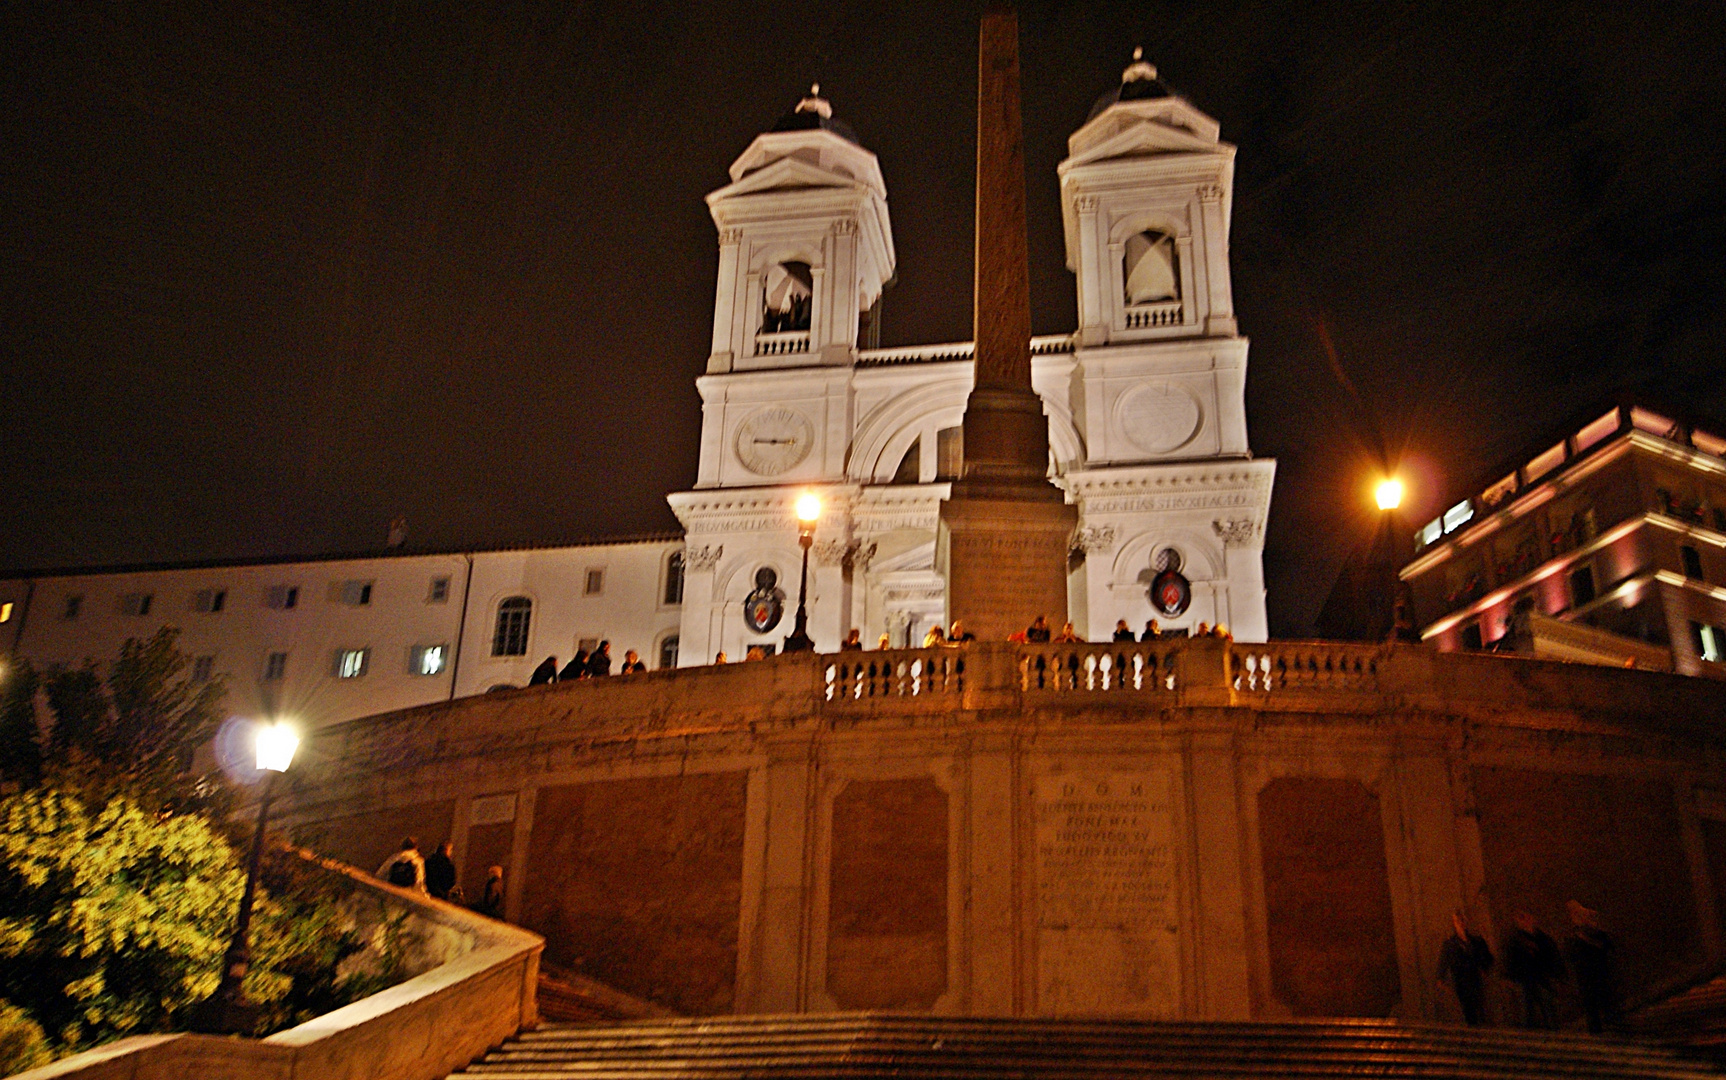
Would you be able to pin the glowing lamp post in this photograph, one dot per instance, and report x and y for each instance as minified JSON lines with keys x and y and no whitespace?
{"x":227,"y":1011}
{"x":1388,"y":493}
{"x":808,"y":509}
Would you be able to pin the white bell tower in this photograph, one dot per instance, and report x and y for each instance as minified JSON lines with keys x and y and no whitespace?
{"x":805,"y":245}
{"x":1160,"y":389}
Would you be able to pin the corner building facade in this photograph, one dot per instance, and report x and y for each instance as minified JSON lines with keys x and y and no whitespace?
{"x":1145,"y":401}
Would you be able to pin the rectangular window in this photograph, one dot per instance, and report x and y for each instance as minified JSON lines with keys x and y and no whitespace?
{"x":430,"y":659}
{"x":209,"y":601}
{"x":595,"y":583}
{"x":439,"y":592}
{"x":355,"y":593}
{"x":1692,"y":561}
{"x":352,"y":663}
{"x":137,"y":604}
{"x":668,"y":652}
{"x":1471,"y":636}
{"x":1709,"y":641}
{"x":6,"y":612}
{"x":586,"y":644}
{"x":282,"y":597}
{"x":674,"y":579}
{"x":1581,"y":586}
{"x":276,"y":666}
{"x":1458,"y":516}
{"x":74,"y":604}
{"x":202,"y":668}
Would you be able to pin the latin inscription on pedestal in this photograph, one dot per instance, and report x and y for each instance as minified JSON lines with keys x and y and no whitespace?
{"x":1108,"y":926}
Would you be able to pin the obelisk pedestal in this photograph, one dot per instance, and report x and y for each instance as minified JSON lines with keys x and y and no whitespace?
{"x":1005,"y":529}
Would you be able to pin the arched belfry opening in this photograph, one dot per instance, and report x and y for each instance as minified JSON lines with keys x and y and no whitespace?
{"x":1150,"y":268}
{"x":786,"y":300}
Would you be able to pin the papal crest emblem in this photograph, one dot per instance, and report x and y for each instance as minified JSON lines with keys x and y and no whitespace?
{"x":1170,"y":590}
{"x":765,"y":606}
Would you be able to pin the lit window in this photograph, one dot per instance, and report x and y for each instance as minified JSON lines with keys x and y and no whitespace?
{"x":1458,"y":516}
{"x":1431,"y":532}
{"x":673,"y":580}
{"x":509,"y":637}
{"x":595,"y":583}
{"x":74,"y":604}
{"x":282,"y":597}
{"x":1710,"y":641}
{"x":209,"y":601}
{"x":356,"y":593}
{"x":430,"y":659}
{"x":6,"y":612}
{"x":202,"y":668}
{"x":668,"y":652}
{"x":137,"y":604}
{"x":276,"y":666}
{"x":439,"y":593}
{"x":787,"y":297}
{"x":352,"y":663}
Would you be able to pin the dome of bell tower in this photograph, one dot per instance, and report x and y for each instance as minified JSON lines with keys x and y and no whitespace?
{"x":815,"y":113}
{"x":1138,"y":83}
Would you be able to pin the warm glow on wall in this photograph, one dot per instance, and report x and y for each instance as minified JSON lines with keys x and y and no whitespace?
{"x":1388,"y":493}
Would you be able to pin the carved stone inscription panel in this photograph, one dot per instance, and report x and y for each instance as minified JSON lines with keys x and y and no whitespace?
{"x":1108,"y":921}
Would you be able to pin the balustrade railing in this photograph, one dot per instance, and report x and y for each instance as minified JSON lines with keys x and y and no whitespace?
{"x":1146,"y":316}
{"x":788,"y":341}
{"x":1099,"y":668}
{"x":1317,"y":665}
{"x":899,"y":673}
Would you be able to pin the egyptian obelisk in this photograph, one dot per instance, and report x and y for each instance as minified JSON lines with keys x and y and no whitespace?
{"x":1005,"y":528}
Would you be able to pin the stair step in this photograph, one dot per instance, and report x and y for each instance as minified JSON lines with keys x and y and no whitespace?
{"x":865,"y":1046}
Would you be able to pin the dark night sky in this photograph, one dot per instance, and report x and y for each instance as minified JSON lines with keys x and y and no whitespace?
{"x":272,"y":273}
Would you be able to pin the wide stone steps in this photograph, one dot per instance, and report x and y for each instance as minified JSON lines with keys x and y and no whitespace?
{"x":867,"y":1045}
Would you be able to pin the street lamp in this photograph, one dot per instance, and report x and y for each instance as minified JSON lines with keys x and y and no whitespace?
{"x":227,"y":1012}
{"x":1388,"y":494}
{"x":808,"y":509}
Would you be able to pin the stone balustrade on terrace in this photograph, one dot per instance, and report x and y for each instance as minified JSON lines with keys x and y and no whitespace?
{"x":983,"y":681}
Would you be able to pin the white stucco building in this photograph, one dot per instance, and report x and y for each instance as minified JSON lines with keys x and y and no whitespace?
{"x":1147,"y":429}
{"x":1147,"y":419}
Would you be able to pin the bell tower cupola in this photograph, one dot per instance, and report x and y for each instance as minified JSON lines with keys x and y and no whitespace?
{"x":805,"y":245}
{"x":1146,"y":191}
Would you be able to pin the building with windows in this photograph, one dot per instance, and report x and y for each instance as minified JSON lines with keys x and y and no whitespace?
{"x":1609,"y":546}
{"x":1147,"y":420}
{"x":328,"y":640}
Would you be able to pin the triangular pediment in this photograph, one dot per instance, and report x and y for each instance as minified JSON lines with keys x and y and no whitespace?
{"x":1143,"y":129}
{"x":787,"y":173}
{"x":1143,"y":139}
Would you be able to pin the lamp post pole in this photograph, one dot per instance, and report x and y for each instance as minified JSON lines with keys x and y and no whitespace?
{"x":808,"y":510}
{"x":227,"y":1011}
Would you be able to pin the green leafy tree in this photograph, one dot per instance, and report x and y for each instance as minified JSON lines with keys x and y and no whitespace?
{"x":112,"y":919}
{"x":135,"y":731}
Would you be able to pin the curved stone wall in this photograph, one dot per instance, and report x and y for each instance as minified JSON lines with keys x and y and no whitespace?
{"x":1182,"y":829}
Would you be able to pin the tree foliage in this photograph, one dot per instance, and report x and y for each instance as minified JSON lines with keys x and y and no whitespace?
{"x":119,"y":874}
{"x":112,"y":918}
{"x":22,"y":1043}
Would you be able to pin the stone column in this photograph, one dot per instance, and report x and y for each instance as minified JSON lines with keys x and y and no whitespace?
{"x":1004,"y":531}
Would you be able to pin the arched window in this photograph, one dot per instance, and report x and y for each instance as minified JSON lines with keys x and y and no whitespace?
{"x":674,"y":579}
{"x":510,"y":637}
{"x":1151,"y":270}
{"x":668,"y":652}
{"x":790,"y":287}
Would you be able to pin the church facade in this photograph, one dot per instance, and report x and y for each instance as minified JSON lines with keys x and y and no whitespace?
{"x":1145,"y":401}
{"x":1147,"y":429}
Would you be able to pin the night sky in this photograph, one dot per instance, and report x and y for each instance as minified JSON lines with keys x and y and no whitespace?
{"x":274,"y":273}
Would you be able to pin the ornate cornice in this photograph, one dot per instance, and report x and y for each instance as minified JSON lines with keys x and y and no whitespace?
{"x":1093,"y":539}
{"x":702,"y":558}
{"x":1236,"y":532}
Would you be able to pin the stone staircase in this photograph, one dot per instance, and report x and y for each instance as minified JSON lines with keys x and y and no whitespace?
{"x":866,"y":1045}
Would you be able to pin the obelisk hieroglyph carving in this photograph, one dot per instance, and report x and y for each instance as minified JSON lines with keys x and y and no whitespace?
{"x":1005,"y":528}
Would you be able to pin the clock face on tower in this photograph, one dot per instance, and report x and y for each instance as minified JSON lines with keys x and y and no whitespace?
{"x":774,"y":440}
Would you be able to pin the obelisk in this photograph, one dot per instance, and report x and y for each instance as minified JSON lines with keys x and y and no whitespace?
{"x":1005,"y":529}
